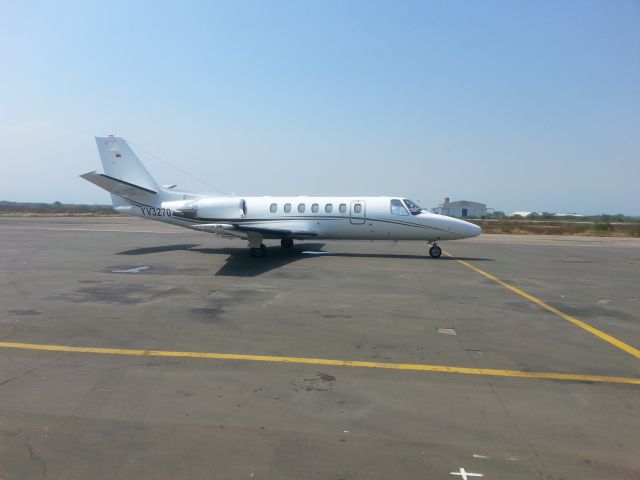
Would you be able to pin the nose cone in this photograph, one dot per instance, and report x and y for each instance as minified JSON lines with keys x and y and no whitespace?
{"x":465,"y":229}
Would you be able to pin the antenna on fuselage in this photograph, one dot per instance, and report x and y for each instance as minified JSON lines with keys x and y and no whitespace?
{"x":179,"y":169}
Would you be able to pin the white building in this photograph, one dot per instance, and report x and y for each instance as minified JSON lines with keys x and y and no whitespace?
{"x":462,"y":209}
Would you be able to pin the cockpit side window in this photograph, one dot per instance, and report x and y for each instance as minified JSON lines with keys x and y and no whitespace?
{"x":397,"y":208}
{"x":413,"y":207}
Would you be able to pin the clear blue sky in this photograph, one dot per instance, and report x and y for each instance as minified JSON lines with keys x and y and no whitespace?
{"x":522,"y":105}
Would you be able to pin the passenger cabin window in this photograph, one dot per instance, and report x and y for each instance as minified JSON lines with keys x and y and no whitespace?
{"x":343,"y":207}
{"x":328,"y":208}
{"x":274,"y":207}
{"x":315,"y":207}
{"x":413,"y":207}
{"x":301,"y":207}
{"x":357,"y":208}
{"x":287,"y":207}
{"x":397,"y":208}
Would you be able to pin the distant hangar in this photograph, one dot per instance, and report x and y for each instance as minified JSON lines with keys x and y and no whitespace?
{"x":462,"y":209}
{"x":524,"y":214}
{"x":545,"y":215}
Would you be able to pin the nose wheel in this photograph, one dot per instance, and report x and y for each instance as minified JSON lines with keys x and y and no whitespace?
{"x":286,"y":242}
{"x":435,"y":251}
{"x":258,"y":252}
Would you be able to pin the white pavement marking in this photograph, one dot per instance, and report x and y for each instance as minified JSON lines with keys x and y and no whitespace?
{"x":464,"y":474}
{"x":132,"y":270}
{"x":448,"y":331}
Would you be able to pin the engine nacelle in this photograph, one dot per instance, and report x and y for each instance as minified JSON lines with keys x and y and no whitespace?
{"x":210,"y":208}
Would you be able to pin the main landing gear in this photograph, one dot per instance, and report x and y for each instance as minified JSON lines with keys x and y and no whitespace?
{"x":435,"y":251}
{"x":258,"y":252}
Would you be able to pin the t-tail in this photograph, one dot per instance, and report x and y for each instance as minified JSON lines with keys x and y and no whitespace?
{"x":125,"y":178}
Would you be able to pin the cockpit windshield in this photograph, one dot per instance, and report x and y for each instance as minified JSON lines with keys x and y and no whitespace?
{"x":397,"y":208}
{"x":413,"y":207}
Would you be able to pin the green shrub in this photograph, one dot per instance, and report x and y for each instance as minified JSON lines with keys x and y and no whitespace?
{"x":603,"y":227}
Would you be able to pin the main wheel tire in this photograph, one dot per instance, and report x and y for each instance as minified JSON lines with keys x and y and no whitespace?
{"x":435,"y":251}
{"x":259,"y":252}
{"x":286,"y":242}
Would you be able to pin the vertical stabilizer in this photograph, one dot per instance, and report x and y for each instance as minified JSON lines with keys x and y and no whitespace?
{"x":119,"y":162}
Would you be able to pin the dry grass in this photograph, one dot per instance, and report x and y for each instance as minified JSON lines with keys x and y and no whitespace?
{"x":519,"y":227}
{"x":11,"y":209}
{"x":542,"y":227}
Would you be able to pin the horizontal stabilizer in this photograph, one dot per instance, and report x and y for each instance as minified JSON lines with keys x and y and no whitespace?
{"x":123,"y":189}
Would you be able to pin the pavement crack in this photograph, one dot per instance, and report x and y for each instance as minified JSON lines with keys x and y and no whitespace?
{"x":7,"y":381}
{"x":537,"y":463}
{"x":26,"y":372}
{"x":36,"y":458}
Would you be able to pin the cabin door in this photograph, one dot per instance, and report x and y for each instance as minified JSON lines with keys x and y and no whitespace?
{"x":358,"y":208}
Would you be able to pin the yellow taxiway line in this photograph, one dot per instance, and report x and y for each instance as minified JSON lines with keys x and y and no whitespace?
{"x":579,"y":323}
{"x":329,"y":362}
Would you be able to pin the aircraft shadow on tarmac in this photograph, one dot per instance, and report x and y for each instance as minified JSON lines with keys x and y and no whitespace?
{"x":159,"y":249}
{"x":240,"y":264}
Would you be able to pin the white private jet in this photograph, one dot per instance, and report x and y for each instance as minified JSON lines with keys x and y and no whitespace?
{"x":135,"y":192}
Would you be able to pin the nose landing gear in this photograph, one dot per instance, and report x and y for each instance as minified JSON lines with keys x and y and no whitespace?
{"x":435,"y":251}
{"x":286,"y":242}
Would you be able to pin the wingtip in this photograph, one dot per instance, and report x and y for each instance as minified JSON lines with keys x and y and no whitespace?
{"x":88,"y":174}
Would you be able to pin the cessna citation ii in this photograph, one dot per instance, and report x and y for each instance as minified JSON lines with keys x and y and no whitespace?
{"x":134,"y":192}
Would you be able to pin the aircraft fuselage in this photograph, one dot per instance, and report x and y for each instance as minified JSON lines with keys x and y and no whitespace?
{"x":355,"y":218}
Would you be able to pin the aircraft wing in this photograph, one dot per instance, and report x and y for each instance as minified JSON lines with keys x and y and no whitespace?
{"x":264,"y":229}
